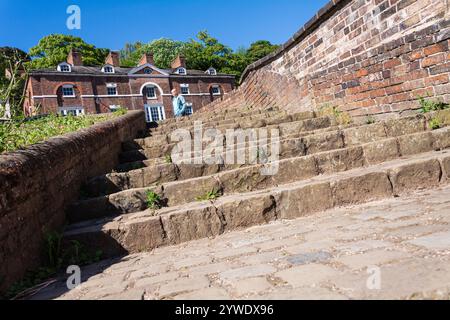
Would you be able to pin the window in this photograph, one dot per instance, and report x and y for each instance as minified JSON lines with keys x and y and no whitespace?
{"x":68,"y":91}
{"x":112,"y":89}
{"x":151,"y":92}
{"x":216,"y":90}
{"x":148,"y":71}
{"x":71,"y":111}
{"x":184,"y":89}
{"x":212,"y":71}
{"x":189,"y":109}
{"x":108,"y":69}
{"x":64,"y":67}
{"x":181,"y":71}
{"x":154,"y":113}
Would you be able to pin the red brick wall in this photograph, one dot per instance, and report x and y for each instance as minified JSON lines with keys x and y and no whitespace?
{"x":38,"y":183}
{"x":365,"y":56}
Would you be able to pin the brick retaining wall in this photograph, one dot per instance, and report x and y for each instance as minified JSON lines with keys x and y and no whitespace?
{"x":38,"y":183}
{"x":365,"y":56}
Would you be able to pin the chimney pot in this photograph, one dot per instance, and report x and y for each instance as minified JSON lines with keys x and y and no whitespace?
{"x":147,"y":58}
{"x":179,"y":62}
{"x":113,"y":59}
{"x":75,"y":58}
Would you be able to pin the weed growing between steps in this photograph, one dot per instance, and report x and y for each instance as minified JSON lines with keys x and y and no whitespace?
{"x":209,"y":196}
{"x":153,"y":200}
{"x":18,"y":134}
{"x":370,"y":119}
{"x":342,"y":118}
{"x":435,"y":124}
{"x":432,"y":105}
{"x":58,"y":258}
{"x":168,"y":159}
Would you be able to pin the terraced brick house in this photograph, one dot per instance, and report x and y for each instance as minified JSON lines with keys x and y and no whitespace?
{"x":73,"y":88}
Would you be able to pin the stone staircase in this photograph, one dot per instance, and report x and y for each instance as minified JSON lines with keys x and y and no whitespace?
{"x":322,"y":164}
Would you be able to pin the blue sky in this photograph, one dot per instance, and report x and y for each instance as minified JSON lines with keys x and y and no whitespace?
{"x":110,"y":24}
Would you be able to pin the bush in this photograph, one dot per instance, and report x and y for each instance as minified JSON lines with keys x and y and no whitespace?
{"x":18,"y":134}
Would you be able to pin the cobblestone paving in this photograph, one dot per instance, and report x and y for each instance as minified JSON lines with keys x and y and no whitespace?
{"x":331,"y":255}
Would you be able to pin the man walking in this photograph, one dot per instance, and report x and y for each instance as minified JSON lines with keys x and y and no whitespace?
{"x":179,"y":104}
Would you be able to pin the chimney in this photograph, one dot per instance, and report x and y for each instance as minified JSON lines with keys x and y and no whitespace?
{"x":147,"y":58}
{"x":75,"y":58}
{"x":179,"y":62}
{"x":113,"y":59}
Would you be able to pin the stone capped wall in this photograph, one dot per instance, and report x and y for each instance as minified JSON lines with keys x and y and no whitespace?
{"x":36,"y":185}
{"x":364,"y":56}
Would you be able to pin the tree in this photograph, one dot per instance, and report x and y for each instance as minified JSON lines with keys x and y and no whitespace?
{"x":12,"y":87}
{"x":260,"y":49}
{"x":53,"y":49}
{"x":164,"y":52}
{"x":206,"y":52}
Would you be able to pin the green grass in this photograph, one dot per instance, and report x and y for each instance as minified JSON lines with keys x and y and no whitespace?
{"x":153,"y":200}
{"x":19,"y":134}
{"x":209,"y":196}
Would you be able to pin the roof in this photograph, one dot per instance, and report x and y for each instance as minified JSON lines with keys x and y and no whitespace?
{"x":120,"y":71}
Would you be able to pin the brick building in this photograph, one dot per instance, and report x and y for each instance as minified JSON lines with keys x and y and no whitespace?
{"x":77,"y":89}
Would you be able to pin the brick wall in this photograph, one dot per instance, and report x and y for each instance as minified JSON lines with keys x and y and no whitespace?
{"x":38,"y":183}
{"x":365,"y":56}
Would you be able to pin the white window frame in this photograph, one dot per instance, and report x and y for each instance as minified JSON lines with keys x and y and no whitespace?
{"x":68,"y":86}
{"x":212,"y":72}
{"x":153,"y":97}
{"x":108,"y":67}
{"x":61,"y":65}
{"x":182,"y":71}
{"x":149,"y":69}
{"x":189,"y":105}
{"x":111,"y":86}
{"x":185,"y":86}
{"x":65,"y":111}
{"x":218,"y":93}
{"x":159,"y":110}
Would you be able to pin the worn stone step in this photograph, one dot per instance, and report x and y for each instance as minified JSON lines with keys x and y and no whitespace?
{"x":147,"y":230}
{"x":130,"y":166}
{"x":219,"y":120}
{"x":218,"y":114}
{"x":156,"y":139}
{"x":251,"y":178}
{"x":285,"y":129}
{"x":161,"y":171}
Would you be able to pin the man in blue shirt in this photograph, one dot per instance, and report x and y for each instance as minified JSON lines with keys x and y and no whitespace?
{"x":179,"y":104}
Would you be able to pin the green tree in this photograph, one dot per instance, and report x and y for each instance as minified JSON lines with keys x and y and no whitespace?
{"x":164,"y":52}
{"x":53,"y":49}
{"x":260,"y":49}
{"x":205,"y":52}
{"x":12,"y":87}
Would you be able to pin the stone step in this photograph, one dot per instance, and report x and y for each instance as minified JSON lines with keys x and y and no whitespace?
{"x":263,"y":120}
{"x":147,"y":230}
{"x":219,"y":120}
{"x":219,"y":114}
{"x":285,"y":128}
{"x":251,"y":178}
{"x":159,"y":171}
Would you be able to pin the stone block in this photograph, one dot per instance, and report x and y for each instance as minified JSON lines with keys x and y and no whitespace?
{"x":416,"y":175}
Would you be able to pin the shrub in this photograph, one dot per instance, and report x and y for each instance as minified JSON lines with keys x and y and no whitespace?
{"x":432,"y":105}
